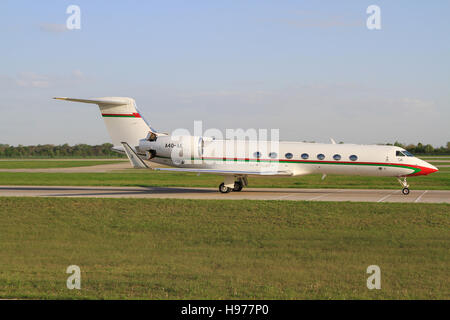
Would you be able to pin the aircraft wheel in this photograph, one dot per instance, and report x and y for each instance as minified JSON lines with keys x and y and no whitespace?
{"x":405,"y":191}
{"x":223,"y":188}
{"x":238,"y":186}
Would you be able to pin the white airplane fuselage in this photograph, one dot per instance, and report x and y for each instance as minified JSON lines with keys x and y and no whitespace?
{"x":299,"y":158}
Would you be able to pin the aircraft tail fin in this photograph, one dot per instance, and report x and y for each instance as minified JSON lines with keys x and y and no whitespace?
{"x":122,"y":119}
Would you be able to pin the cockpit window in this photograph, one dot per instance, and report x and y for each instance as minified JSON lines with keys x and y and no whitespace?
{"x":409,"y":154}
{"x":403,"y":153}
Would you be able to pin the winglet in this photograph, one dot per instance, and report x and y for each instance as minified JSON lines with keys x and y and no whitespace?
{"x":135,"y":160}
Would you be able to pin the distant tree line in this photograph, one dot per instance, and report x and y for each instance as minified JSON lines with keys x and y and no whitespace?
{"x":104,"y":150}
{"x":59,"y":151}
{"x":425,"y":148}
{"x":420,"y":148}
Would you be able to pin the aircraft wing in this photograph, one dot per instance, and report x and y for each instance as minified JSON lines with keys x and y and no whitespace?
{"x":135,"y":160}
{"x":138,"y":163}
{"x":229,"y":172}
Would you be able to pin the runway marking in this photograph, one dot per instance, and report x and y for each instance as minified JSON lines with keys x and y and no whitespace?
{"x":385,"y":197}
{"x":318,"y":197}
{"x":284,"y":197}
{"x":327,"y":194}
{"x":419,"y":197}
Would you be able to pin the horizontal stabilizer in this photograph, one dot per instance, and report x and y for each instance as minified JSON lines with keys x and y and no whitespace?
{"x":114,"y":102}
{"x":135,"y":160}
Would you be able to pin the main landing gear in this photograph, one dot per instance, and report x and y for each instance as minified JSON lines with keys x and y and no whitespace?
{"x":232,"y":185}
{"x":238,"y":185}
{"x":223,"y":188}
{"x":405,"y":186}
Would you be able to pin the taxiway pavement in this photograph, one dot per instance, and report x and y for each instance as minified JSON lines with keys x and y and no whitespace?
{"x":361,"y":195}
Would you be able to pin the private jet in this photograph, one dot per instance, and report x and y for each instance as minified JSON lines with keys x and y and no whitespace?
{"x":236,"y":160}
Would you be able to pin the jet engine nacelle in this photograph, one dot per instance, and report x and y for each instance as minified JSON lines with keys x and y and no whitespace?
{"x":178,"y":148}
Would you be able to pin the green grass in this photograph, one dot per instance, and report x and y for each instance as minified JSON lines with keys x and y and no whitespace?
{"x":437,"y":164}
{"x":444,"y":157}
{"x":44,"y":164}
{"x":59,"y":157}
{"x":439,"y":180}
{"x":191,"y":249}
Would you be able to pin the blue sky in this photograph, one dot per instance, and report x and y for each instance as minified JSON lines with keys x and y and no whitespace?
{"x":310,"y":68}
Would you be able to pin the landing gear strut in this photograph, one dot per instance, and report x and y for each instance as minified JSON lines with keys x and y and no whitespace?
{"x":405,"y":186}
{"x":238,"y":185}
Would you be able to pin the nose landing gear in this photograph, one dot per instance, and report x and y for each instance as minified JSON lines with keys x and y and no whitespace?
{"x":405,"y":186}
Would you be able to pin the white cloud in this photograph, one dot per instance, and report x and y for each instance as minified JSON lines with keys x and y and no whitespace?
{"x":315,"y":19}
{"x":33,"y":80}
{"x":417,"y":105}
{"x":77,"y":74}
{"x":52,"y":27}
{"x":331,"y":22}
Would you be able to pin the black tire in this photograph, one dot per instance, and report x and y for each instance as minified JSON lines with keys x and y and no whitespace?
{"x":238,"y":186}
{"x":224,"y":189}
{"x":405,"y":191}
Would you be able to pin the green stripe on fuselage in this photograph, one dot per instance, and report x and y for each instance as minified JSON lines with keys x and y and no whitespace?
{"x":313,"y":162}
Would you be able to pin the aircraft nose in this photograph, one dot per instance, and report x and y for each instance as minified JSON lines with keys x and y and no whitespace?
{"x":430,"y":168}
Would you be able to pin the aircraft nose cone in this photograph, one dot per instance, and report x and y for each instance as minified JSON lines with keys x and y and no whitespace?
{"x":430,"y":169}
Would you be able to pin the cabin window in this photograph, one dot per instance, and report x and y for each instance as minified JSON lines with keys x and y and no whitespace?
{"x":273,"y":155}
{"x":337,"y":157}
{"x":288,"y":155}
{"x":353,"y":157}
{"x":399,"y":154}
{"x":305,"y":156}
{"x":257,"y":154}
{"x":320,"y":156}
